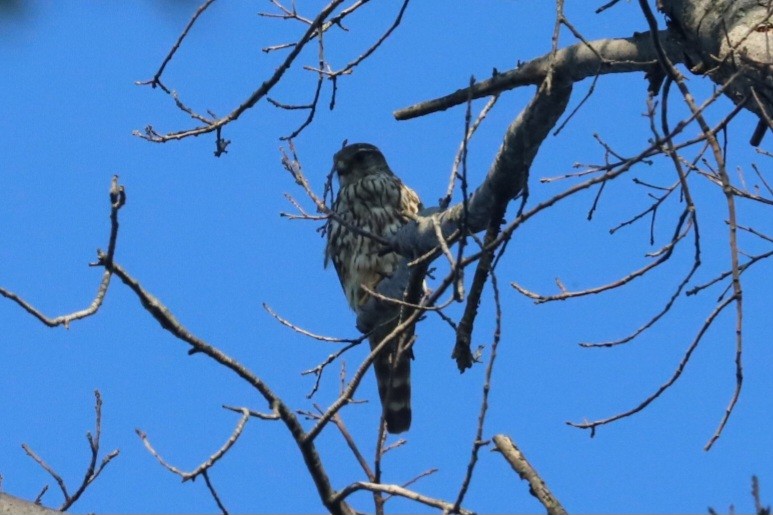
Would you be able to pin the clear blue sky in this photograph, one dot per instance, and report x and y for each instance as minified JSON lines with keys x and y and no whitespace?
{"x":204,"y":235}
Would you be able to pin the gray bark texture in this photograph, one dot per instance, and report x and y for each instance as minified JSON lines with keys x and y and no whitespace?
{"x":10,"y":505}
{"x":722,"y":37}
{"x":576,"y":63}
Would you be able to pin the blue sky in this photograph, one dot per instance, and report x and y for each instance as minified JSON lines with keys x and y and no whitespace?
{"x":205,"y":236}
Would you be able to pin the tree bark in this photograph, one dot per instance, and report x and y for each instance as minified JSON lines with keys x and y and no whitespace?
{"x":10,"y":505}
{"x":722,"y":37}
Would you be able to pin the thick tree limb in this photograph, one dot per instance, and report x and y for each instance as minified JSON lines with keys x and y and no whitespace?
{"x":505,"y":181}
{"x":573,"y":63}
{"x":10,"y":505}
{"x":724,"y":36}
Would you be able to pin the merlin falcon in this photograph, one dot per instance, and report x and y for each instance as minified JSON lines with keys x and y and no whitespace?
{"x":373,"y":200}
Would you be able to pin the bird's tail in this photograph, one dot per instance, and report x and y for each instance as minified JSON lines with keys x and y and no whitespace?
{"x":393,"y":377}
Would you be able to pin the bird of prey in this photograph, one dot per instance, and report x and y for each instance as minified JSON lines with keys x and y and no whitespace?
{"x":372,"y":200}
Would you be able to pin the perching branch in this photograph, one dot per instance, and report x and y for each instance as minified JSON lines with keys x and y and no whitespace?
{"x":505,"y":181}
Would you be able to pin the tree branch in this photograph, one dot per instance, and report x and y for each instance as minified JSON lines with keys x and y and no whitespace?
{"x":216,"y":125}
{"x":93,"y":470}
{"x":573,"y":64}
{"x":10,"y":504}
{"x":117,"y":200}
{"x":723,"y":37}
{"x":523,"y":468}
{"x":164,"y":316}
{"x":505,"y":181}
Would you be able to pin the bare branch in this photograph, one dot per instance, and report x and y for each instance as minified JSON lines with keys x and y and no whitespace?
{"x":339,"y":423}
{"x":256,"y":414}
{"x":537,"y":486}
{"x":317,"y":371}
{"x":478,"y":441}
{"x":209,"y":462}
{"x":164,"y":316}
{"x":117,"y":200}
{"x":399,"y":491}
{"x":257,"y":95}
{"x":759,"y":508}
{"x":157,"y":77}
{"x":592,"y":425}
{"x":573,"y":63}
{"x":213,"y":492}
{"x":446,"y":200}
{"x":45,"y":466}
{"x":663,"y":254}
{"x":350,"y":66}
{"x":719,"y":158}
{"x":92,"y":471}
{"x":304,"y":332}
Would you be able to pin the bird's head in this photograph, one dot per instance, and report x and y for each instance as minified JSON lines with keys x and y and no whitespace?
{"x":355,"y":161}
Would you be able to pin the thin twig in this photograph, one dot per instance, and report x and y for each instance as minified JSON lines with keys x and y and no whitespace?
{"x":446,"y":200}
{"x":339,"y":423}
{"x":592,"y":425}
{"x":317,"y":371}
{"x":256,"y":414}
{"x":399,"y":491}
{"x":209,"y":462}
{"x":213,"y":492}
{"x":367,"y":53}
{"x":304,"y":332}
{"x":478,"y":441}
{"x":663,"y":255}
{"x":92,"y":471}
{"x":157,"y":77}
{"x":117,"y":200}
{"x":169,"y":322}
{"x":719,"y":158}
{"x":265,"y":87}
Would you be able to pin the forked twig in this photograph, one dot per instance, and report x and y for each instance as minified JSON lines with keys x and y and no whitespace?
{"x":206,"y":464}
{"x":92,"y":471}
{"x":265,"y":87}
